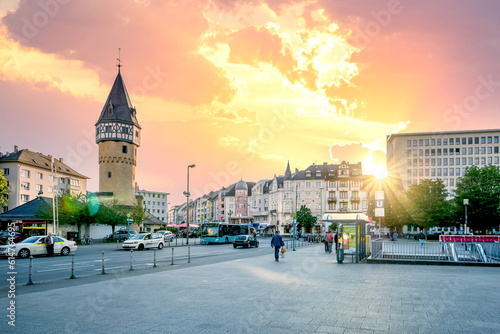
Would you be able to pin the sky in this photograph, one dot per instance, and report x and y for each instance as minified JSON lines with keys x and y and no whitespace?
{"x":241,"y":87}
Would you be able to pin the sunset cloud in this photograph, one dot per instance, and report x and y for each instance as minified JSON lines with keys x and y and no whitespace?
{"x":241,"y":87}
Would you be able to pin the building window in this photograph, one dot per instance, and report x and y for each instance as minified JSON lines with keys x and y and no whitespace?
{"x":408,"y":143}
{"x":483,"y":161}
{"x":476,"y":150}
{"x":50,"y":189}
{"x":39,"y":176}
{"x":483,"y":140}
{"x":464,"y":161}
{"x":439,"y":152}
{"x":476,"y":140}
{"x":427,"y":162}
{"x":427,"y":172}
{"x":470,"y":150}
{"x":427,"y":142}
{"x":426,"y":152}
{"x":5,"y":171}
{"x":445,"y":171}
{"x":420,"y":142}
{"x":25,"y":173}
{"x":109,"y":175}
{"x":457,"y":171}
{"x":464,"y":141}
{"x":25,"y":198}
{"x":483,"y":150}
{"x":124,"y":149}
{"x":39,"y":187}
{"x":445,"y":141}
{"x":438,"y":142}
{"x":496,"y":160}
{"x":433,"y":171}
{"x":495,"y":139}
{"x":25,"y":186}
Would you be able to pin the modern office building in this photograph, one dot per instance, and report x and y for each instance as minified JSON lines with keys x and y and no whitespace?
{"x":412,"y":157}
{"x":29,"y":174}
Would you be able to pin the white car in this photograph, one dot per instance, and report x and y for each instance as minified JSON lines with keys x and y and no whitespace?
{"x":144,"y":240}
{"x":36,"y":246}
{"x":167,"y":235}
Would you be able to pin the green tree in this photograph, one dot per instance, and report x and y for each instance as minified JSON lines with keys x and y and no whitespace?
{"x":110,"y":213}
{"x":138,"y":214}
{"x":73,"y":209}
{"x":3,"y":190}
{"x":305,"y":218}
{"x":426,"y":205}
{"x":481,"y":186}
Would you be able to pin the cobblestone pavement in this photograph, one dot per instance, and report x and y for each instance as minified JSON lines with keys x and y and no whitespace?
{"x":307,"y":292}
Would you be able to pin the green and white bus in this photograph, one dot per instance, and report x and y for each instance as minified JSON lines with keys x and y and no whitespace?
{"x":216,"y":232}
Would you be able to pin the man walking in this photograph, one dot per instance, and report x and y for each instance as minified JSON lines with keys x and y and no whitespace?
{"x":49,"y":243}
{"x":421,"y":238}
{"x":277,"y":243}
{"x":329,"y":237}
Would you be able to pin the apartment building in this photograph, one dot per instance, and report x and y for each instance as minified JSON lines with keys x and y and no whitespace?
{"x":155,"y":202}
{"x":29,"y":174}
{"x":412,"y":157}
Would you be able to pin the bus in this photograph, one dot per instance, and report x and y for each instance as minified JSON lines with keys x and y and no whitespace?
{"x":216,"y":232}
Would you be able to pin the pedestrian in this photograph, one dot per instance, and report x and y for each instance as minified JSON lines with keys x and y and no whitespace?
{"x":277,"y":243}
{"x":395,"y":236}
{"x":329,"y":237}
{"x":325,"y":241}
{"x":421,"y":238}
{"x":389,"y":235}
{"x":49,"y":243}
{"x":336,"y":240}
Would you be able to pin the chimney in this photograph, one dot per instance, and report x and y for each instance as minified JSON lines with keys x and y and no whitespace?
{"x":61,"y":160}
{"x":16,"y":148}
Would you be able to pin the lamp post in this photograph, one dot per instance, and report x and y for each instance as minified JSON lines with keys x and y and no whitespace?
{"x":166,"y":202}
{"x":466,"y":201}
{"x":294,"y":215}
{"x":186,"y":193}
{"x":230,"y":212}
{"x":128,"y":225}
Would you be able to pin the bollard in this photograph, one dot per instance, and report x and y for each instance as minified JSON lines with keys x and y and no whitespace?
{"x":72,"y":266}
{"x":154,"y":261}
{"x":172,"y":256}
{"x":30,"y":282}
{"x":131,"y":252}
{"x":103,"y":272}
{"x":117,"y":244}
{"x":176,"y":241}
{"x":189,"y":254}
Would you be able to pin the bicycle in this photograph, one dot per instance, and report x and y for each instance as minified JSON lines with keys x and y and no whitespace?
{"x":86,"y":240}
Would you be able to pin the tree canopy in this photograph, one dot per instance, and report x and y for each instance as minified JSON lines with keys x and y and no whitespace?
{"x":305,"y":218}
{"x":3,"y":190}
{"x":426,"y":204}
{"x":481,"y":186}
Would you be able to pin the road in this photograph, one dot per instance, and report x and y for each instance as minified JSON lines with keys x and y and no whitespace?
{"x":88,"y":260}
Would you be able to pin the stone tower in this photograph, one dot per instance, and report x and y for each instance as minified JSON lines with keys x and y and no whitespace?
{"x":118,"y":135}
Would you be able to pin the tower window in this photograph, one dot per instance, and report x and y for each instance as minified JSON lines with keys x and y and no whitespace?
{"x":109,"y":175}
{"x":124,"y":149}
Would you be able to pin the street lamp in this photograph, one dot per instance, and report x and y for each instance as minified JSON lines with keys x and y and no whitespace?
{"x":186,"y":193}
{"x":466,"y":201}
{"x":294,"y":215}
{"x":166,"y":201}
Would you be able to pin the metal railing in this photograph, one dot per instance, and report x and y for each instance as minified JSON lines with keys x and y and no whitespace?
{"x":436,"y":251}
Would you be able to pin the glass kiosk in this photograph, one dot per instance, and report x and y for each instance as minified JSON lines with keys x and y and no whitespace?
{"x":351,"y":235}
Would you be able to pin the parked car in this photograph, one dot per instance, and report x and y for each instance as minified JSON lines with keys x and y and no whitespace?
{"x":122,"y":235}
{"x":6,"y":235}
{"x":245,"y":241}
{"x":36,"y":246}
{"x":167,"y":235}
{"x":144,"y":240}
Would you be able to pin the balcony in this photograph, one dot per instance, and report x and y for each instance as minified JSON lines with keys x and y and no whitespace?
{"x":332,"y":199}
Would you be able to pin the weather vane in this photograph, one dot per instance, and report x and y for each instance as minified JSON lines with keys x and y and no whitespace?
{"x":119,"y":59}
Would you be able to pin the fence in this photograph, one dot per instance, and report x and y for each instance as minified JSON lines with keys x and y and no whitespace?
{"x":462,"y":252}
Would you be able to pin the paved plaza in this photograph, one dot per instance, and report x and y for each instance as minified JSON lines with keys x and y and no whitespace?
{"x":308,"y":292}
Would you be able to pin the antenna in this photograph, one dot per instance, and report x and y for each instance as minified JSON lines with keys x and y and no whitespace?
{"x":119,"y":59}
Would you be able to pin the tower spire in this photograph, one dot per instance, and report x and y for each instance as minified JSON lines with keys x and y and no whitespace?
{"x":119,"y":59}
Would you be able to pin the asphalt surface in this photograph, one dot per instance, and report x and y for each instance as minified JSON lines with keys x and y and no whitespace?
{"x":88,"y":260}
{"x":307,"y":292}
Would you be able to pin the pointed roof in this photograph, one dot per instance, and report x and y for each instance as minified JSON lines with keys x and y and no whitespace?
{"x":288,"y":173}
{"x":118,"y":107}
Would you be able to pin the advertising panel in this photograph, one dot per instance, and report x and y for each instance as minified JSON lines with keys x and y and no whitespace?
{"x":349,"y":239}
